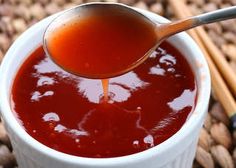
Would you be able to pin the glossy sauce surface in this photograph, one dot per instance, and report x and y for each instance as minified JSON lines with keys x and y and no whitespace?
{"x":65,"y":112}
{"x":101,"y":43}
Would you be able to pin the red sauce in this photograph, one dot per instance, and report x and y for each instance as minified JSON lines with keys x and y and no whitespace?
{"x":66,"y":112}
{"x":101,"y":44}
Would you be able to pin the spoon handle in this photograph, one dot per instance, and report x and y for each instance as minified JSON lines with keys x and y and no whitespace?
{"x":165,"y":30}
{"x":218,"y":15}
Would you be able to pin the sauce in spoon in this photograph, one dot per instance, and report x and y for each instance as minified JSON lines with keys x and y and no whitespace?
{"x":101,"y":44}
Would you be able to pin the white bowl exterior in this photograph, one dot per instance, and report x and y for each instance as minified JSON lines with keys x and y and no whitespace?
{"x":176,"y":152}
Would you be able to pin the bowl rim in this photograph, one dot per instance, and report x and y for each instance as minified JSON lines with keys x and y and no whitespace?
{"x":189,"y":125}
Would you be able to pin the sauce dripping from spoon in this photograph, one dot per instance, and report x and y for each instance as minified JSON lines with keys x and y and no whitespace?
{"x":104,"y":40}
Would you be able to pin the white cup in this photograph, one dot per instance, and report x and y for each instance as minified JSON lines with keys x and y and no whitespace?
{"x":176,"y":152}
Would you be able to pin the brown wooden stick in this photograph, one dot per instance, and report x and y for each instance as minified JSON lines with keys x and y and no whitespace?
{"x":218,"y":84}
{"x":219,"y":59}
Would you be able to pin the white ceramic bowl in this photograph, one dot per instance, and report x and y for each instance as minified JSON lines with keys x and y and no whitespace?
{"x":176,"y":152}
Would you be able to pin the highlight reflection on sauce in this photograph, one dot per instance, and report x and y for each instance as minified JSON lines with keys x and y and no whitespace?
{"x":65,"y":112}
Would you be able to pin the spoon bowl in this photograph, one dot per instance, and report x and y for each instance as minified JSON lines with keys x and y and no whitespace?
{"x":126,"y":20}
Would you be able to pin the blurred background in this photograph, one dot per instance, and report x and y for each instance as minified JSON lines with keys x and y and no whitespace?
{"x":217,"y":143}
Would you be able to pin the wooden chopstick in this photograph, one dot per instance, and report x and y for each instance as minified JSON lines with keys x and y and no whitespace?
{"x":215,"y":53}
{"x":219,"y":59}
{"x":221,"y":90}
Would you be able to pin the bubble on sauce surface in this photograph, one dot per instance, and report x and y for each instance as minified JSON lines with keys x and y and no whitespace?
{"x":51,"y":116}
{"x":36,"y":96}
{"x":45,"y":80}
{"x":168,"y":59}
{"x":157,"y":70}
{"x":74,"y":132}
{"x":136,"y":144}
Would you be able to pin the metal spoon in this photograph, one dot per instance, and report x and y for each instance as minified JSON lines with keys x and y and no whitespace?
{"x":162,"y":31}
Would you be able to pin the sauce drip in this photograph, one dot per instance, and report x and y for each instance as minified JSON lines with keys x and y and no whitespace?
{"x":64,"y":112}
{"x":101,"y":44}
{"x":105,"y":87}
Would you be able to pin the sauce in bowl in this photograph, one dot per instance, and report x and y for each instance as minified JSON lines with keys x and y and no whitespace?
{"x":65,"y":112}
